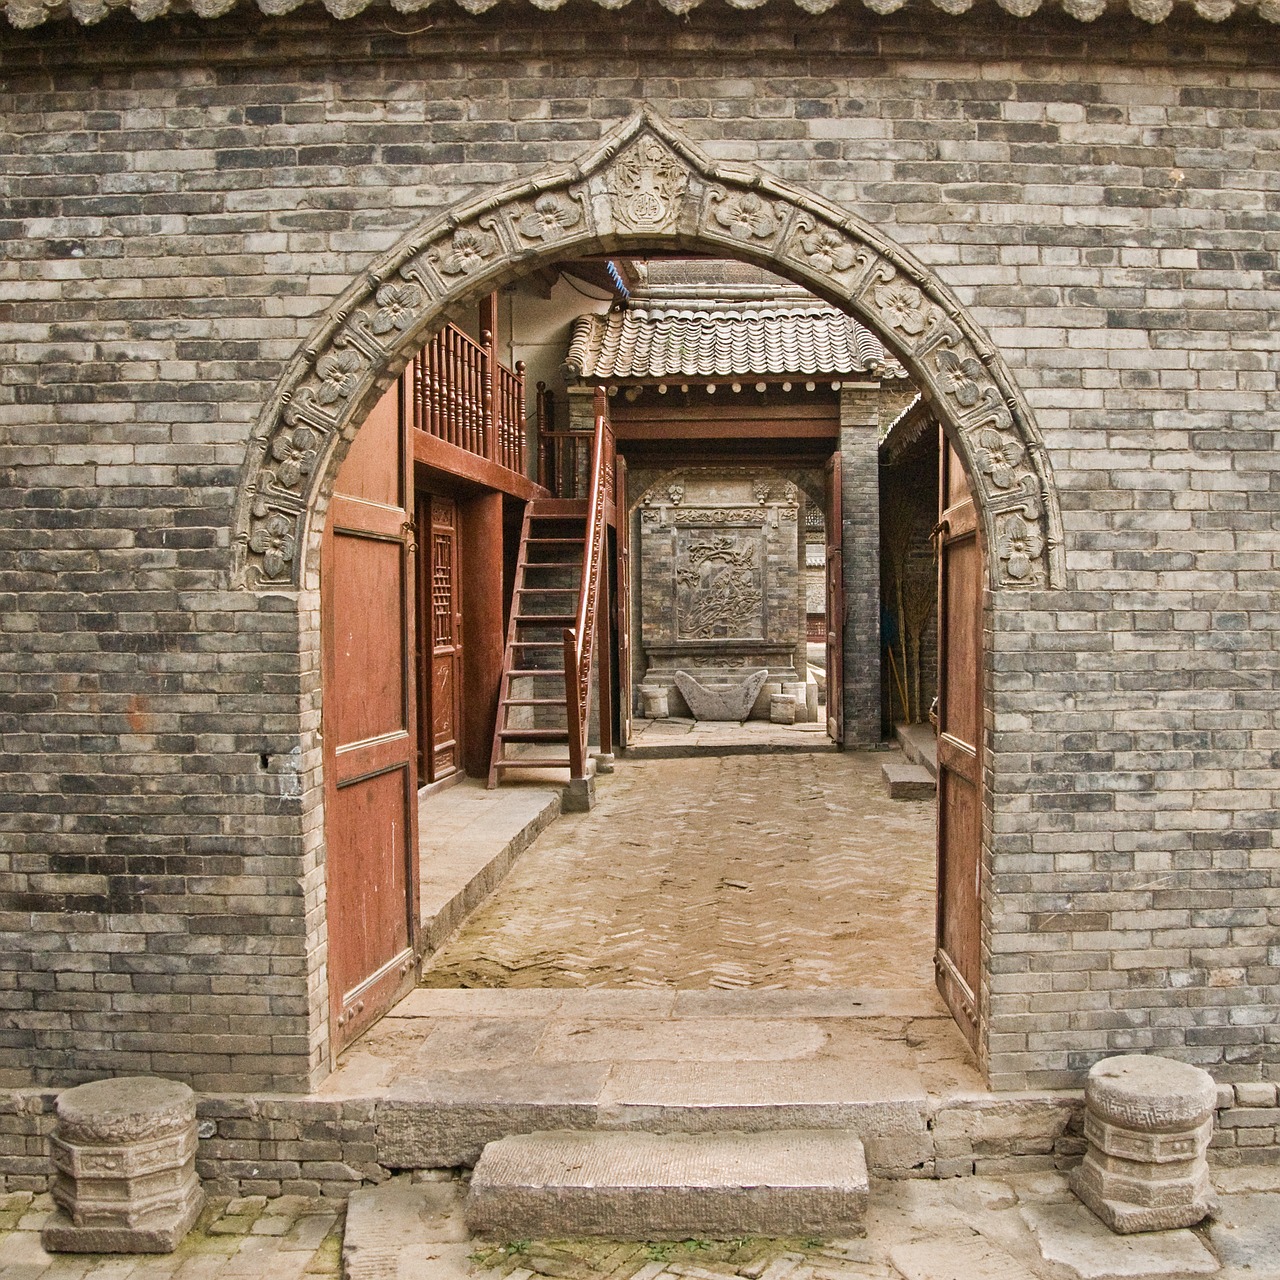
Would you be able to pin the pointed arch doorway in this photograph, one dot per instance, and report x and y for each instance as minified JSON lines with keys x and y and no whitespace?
{"x":644,"y":187}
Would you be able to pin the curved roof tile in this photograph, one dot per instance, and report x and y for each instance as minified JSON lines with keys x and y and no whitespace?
{"x":748,"y":341}
{"x":31,"y":13}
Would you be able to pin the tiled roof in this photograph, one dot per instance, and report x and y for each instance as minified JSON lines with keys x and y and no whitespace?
{"x":723,"y":340}
{"x":30,"y":13}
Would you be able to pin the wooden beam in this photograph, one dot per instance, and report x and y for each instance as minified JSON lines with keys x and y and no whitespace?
{"x":693,"y":428}
{"x":457,"y":464}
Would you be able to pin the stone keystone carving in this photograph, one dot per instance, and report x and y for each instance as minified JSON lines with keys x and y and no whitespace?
{"x":721,"y":701}
{"x":124,"y":1155}
{"x":644,"y":185}
{"x":1147,"y":1123}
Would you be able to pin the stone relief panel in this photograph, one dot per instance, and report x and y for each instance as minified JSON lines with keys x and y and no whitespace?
{"x":719,"y":584}
{"x":643,"y":185}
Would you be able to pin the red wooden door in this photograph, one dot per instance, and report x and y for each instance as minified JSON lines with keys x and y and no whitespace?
{"x":623,"y":580}
{"x":368,"y":727}
{"x":834,"y":519}
{"x":443,"y":613}
{"x":958,"y":958}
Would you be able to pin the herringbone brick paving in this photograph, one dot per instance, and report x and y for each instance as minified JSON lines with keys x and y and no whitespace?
{"x":751,"y":871}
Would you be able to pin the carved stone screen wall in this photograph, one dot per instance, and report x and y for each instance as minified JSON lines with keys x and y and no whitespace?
{"x":223,"y":238}
{"x":719,"y":577}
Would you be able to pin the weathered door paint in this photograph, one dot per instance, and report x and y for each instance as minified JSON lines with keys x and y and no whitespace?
{"x":623,"y":543}
{"x":958,"y":958}
{"x":370,"y":764}
{"x":834,"y":517}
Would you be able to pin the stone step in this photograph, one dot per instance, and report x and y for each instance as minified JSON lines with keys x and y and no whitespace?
{"x":919,"y":744}
{"x":649,"y":1186}
{"x":906,"y":781}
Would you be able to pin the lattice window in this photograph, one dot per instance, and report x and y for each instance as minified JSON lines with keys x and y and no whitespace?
{"x":442,"y":589}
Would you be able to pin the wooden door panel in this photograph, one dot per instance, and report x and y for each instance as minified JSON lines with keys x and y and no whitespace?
{"x":366,"y":575}
{"x":964,"y":640}
{"x":623,"y":579}
{"x":367,"y":695}
{"x":372,"y":925}
{"x":442,"y":609}
{"x":834,"y":520}
{"x":960,"y":725}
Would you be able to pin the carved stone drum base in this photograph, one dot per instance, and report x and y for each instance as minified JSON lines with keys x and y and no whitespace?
{"x":124,"y":1155}
{"x":1148,"y":1122}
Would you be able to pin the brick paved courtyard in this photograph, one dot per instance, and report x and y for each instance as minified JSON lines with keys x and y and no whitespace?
{"x":750,"y":871}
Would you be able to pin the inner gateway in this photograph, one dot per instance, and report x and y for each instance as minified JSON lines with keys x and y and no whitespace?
{"x":768,"y":620}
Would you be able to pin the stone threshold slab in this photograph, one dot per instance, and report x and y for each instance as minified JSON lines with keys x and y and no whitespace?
{"x":630,"y":1002}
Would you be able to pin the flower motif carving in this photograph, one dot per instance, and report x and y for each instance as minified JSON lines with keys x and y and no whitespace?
{"x":551,"y":215}
{"x":1019,"y":546}
{"x":273,"y":540}
{"x":396,"y":303}
{"x":997,"y":457}
{"x":827,"y":250}
{"x":676,"y":493}
{"x":295,"y":451}
{"x":959,"y":376}
{"x":762,"y":489}
{"x":903,"y":306}
{"x":339,"y":371}
{"x":469,"y":249}
{"x":746,"y":217}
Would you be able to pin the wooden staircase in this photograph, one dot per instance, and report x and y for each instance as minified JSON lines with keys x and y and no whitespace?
{"x":532,"y":729}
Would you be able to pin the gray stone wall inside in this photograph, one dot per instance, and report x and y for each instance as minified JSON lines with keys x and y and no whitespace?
{"x":186,"y":197}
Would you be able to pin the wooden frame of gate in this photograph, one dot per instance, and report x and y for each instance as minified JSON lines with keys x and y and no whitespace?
{"x":370,"y":739}
{"x":959,"y":721}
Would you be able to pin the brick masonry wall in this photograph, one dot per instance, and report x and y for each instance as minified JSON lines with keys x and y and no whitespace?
{"x":185,"y":197}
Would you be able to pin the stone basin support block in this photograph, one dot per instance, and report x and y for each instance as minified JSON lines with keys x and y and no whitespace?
{"x":124,"y":1158}
{"x":782,"y":709}
{"x":1148,"y":1121}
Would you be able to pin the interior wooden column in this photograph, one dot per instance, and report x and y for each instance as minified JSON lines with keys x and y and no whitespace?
{"x":482,"y":626}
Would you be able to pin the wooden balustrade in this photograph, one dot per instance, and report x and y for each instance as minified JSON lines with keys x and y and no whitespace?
{"x":565,"y":457}
{"x":464,"y":396}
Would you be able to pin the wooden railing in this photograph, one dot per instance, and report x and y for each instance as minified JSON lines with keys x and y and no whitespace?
{"x":580,"y":639}
{"x":564,"y":457}
{"x":463,"y":395}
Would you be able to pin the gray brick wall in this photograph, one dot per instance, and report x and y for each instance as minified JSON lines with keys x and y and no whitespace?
{"x":184,"y":198}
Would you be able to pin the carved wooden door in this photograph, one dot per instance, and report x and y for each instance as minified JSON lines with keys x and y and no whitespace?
{"x":366,"y":584}
{"x":960,"y":576}
{"x":834,"y":520}
{"x":443,"y":617}
{"x":623,"y":580}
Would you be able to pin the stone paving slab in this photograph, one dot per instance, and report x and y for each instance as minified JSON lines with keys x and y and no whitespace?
{"x":1069,"y":1234}
{"x":1245,"y":1233}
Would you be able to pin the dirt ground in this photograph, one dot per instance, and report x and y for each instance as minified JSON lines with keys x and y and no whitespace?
{"x":733,"y":872}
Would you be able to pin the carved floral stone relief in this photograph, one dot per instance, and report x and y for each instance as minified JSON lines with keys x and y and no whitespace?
{"x":635,"y":185}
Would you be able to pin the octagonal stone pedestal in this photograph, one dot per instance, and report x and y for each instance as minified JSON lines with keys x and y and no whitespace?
{"x":124,"y":1155}
{"x":1147,"y":1123}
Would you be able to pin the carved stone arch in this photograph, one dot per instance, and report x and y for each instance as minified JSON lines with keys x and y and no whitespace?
{"x":644,"y":187}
